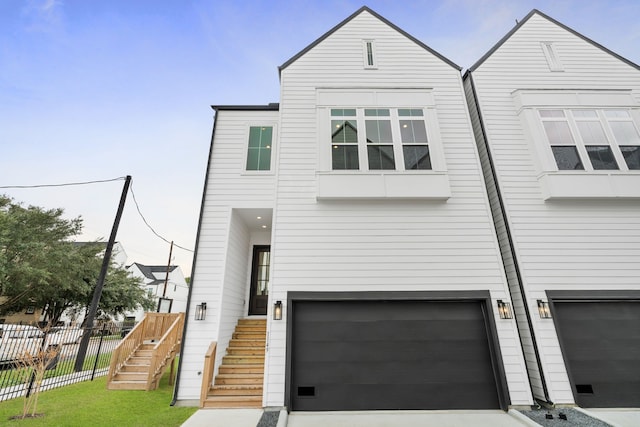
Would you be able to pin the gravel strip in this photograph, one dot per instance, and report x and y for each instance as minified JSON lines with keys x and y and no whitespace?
{"x":269,"y":419}
{"x":574,"y":418}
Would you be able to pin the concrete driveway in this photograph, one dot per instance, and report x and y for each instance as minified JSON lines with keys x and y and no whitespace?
{"x":487,"y":418}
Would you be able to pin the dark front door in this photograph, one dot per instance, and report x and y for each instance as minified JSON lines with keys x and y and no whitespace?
{"x":369,"y":355}
{"x":259,"y":280}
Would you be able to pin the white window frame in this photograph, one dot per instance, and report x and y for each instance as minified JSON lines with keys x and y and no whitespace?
{"x":369,"y":54}
{"x":432,"y":184}
{"x":397,"y":144}
{"x":573,"y":120}
{"x":274,"y":136}
{"x":577,"y":184}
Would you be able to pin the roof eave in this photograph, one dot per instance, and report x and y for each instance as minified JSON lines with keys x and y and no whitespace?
{"x":381,"y":18}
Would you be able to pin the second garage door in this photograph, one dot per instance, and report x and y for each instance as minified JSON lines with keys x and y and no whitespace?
{"x":365,"y":355}
{"x":601,"y":345}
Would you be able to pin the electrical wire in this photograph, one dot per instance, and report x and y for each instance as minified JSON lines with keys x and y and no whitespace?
{"x":97,"y":182}
{"x":63,"y":185}
{"x":135,"y":201}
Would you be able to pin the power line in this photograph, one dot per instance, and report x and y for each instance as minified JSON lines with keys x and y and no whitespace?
{"x":135,"y":201}
{"x":63,"y":185}
{"x":97,"y":182}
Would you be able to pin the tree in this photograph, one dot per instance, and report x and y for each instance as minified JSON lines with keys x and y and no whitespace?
{"x":40,"y":266}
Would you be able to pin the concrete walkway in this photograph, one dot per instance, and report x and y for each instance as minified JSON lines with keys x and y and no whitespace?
{"x":626,"y":417}
{"x":224,"y":418}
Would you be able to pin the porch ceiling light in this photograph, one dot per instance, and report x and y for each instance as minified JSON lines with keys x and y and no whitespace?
{"x":201,"y":311}
{"x":543,"y":309}
{"x":504,"y":310}
{"x":277,"y":310}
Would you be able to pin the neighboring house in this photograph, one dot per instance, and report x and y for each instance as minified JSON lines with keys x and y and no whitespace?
{"x":166,"y":285}
{"x":557,"y":120}
{"x":357,"y":207}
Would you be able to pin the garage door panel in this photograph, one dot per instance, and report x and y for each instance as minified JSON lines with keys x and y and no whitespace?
{"x":601,"y":345}
{"x":391,"y":355}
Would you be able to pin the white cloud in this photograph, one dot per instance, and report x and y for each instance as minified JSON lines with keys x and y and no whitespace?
{"x":43,"y":15}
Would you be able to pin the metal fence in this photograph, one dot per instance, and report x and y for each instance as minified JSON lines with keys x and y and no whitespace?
{"x":61,"y":347}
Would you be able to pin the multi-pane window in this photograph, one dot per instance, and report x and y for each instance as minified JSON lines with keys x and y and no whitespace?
{"x":414,"y":139}
{"x":259,"y":151}
{"x":389,"y":139}
{"x":626,"y":136}
{"x":379,"y":139}
{"x":562,"y":143}
{"x":592,"y":139}
{"x":344,"y":139}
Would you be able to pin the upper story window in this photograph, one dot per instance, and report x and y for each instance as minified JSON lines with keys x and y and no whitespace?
{"x":589,"y":139}
{"x":259,"y":150}
{"x":389,"y":139}
{"x":369,"y":51}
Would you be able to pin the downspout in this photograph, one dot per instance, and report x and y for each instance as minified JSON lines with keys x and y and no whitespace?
{"x":193,"y":266}
{"x":511,"y":247}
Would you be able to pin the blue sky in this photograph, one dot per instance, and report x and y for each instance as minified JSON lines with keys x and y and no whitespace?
{"x":93,"y":90}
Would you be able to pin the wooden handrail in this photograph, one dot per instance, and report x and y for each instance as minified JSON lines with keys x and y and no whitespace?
{"x":164,"y":351}
{"x":154,"y":326}
{"x":207,"y":372}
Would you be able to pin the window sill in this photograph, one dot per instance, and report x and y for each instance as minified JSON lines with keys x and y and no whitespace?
{"x":411,"y":185}
{"x":590,"y":185}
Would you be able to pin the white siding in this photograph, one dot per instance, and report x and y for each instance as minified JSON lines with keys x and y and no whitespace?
{"x":380,"y":245}
{"x":220,"y":274}
{"x":581,"y":245}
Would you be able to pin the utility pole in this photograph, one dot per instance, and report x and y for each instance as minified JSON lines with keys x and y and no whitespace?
{"x":97,"y":293}
{"x":166,"y":279}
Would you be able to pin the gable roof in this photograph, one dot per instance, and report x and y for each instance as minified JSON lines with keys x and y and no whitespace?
{"x":384,"y":20}
{"x":561,"y":25}
{"x":148,"y":270}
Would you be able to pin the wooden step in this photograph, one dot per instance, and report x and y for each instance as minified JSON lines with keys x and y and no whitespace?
{"x":255,"y":342}
{"x":143,"y":353}
{"x":233,"y":402}
{"x":241,"y":369}
{"x":251,"y":321}
{"x":127,"y":385}
{"x":243,"y":360}
{"x":250,"y":336}
{"x":136,"y":360}
{"x":241,"y":378}
{"x":135,"y":368}
{"x":131,"y":376}
{"x":246,"y":351}
{"x":236,"y":390}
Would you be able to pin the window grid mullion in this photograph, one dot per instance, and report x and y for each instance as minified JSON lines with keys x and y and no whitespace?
{"x":577,"y":139}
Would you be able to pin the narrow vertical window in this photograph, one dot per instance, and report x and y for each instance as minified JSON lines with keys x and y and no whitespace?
{"x":259,"y":151}
{"x":344,"y":139}
{"x":369,"y":54}
{"x":413,"y":134}
{"x":379,"y":139}
{"x":553,"y":61}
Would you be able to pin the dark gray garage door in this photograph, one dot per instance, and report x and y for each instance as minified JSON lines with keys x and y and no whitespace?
{"x":357,"y":355}
{"x":601,"y":346}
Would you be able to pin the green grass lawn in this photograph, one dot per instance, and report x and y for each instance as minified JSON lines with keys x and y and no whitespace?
{"x":89,"y":403}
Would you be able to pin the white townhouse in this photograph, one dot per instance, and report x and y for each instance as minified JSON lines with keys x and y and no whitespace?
{"x":351,"y":218}
{"x":557,"y":120}
{"x":165,"y":284}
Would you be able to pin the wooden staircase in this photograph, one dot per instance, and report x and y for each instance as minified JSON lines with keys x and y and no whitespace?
{"x":133,"y":374}
{"x":241,"y":374}
{"x":140,"y":359}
